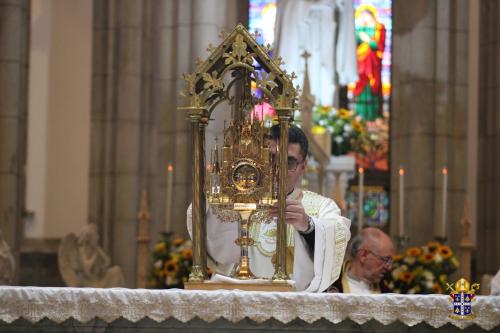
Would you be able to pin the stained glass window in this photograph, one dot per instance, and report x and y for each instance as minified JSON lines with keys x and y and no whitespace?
{"x":369,"y":97}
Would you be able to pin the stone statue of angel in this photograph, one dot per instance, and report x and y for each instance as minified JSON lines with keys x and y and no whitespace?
{"x":7,"y":264}
{"x":83,"y":263}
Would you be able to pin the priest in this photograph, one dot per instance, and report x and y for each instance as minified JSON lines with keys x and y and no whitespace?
{"x":317,"y":234}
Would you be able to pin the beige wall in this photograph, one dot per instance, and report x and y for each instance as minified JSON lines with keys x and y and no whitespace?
{"x":59,"y":117}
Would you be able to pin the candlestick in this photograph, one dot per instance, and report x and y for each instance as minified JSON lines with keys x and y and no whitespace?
{"x":361,"y":181}
{"x":445,"y":196}
{"x":168,"y":206}
{"x":401,"y":202}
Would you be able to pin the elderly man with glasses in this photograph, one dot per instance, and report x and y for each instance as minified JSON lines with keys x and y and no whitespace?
{"x":370,"y":259}
{"x":317,"y":234}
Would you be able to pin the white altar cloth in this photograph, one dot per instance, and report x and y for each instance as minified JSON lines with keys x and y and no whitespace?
{"x":84,"y":304}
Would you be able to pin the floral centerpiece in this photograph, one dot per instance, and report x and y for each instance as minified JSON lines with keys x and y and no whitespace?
{"x":172,"y":261}
{"x":422,"y":270}
{"x":348,"y":130}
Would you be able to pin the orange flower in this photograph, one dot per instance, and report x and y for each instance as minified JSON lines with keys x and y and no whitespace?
{"x":178,"y":241}
{"x":437,"y":288}
{"x":397,"y":257}
{"x":171,"y":267}
{"x":413,"y":252}
{"x":426,"y":258}
{"x":187,"y":253}
{"x":406,"y":276}
{"x":445,"y":251}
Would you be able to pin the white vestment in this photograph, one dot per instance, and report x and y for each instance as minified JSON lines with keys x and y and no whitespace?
{"x":305,"y":25}
{"x":312,"y":272}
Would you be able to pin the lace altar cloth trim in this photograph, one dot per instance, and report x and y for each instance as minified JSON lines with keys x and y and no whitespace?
{"x":60,"y":304}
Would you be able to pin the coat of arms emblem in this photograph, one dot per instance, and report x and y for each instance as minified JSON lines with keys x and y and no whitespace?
{"x":462,"y":295}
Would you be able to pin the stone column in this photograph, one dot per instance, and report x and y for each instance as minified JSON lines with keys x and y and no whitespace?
{"x":140,"y":50}
{"x":429,"y":105}
{"x":182,"y":33}
{"x":120,"y":117}
{"x":14,"y":38}
{"x":488,"y":200}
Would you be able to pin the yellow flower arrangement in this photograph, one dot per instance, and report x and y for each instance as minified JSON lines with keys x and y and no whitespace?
{"x":348,"y":130}
{"x":422,"y":270}
{"x":172,"y":261}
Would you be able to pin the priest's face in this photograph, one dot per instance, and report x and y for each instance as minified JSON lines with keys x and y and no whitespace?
{"x":296,"y":163}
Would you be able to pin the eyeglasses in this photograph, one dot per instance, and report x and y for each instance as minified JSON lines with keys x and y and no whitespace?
{"x":292,"y":163}
{"x":387,"y":260}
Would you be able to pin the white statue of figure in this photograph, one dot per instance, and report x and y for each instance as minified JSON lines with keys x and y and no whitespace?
{"x":325,"y":29}
{"x":83,"y":263}
{"x":7,"y":263}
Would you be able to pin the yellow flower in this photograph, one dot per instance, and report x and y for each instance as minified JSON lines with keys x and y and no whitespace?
{"x":413,"y":252}
{"x":187,"y":253}
{"x":160,"y":247}
{"x":171,"y":267}
{"x":325,"y":109}
{"x":343,"y":113}
{"x":178,"y":241}
{"x":445,"y":251}
{"x":318,"y":129}
{"x":426,"y":258}
{"x":356,"y":125}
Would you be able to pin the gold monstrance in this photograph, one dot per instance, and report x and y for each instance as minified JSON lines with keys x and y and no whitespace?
{"x":245,"y":181}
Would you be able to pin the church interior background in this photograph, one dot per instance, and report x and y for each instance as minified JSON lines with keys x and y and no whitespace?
{"x":89,"y":92}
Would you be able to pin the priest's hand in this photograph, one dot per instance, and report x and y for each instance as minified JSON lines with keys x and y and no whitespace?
{"x":294,"y":214}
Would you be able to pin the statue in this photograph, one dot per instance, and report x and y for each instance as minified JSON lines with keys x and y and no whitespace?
{"x":7,"y":263}
{"x":83,"y":263}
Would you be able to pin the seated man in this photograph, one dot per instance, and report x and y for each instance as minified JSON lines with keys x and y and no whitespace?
{"x":371,"y":257}
{"x":317,"y":234}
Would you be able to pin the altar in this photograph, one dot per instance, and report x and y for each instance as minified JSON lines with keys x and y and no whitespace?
{"x":28,"y":309}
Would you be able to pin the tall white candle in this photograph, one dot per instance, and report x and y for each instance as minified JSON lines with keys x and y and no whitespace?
{"x":401,"y":202}
{"x":445,"y":196}
{"x":168,"y":206}
{"x":361,"y":183}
